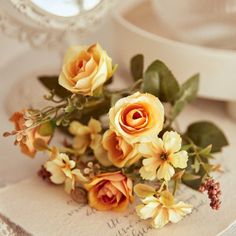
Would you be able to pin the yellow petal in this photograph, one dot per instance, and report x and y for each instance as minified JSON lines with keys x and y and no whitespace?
{"x":166,"y":171}
{"x":120,"y":186}
{"x":146,"y":149}
{"x":58,"y":161}
{"x":57,"y":176}
{"x":72,"y":164}
{"x":78,"y":129}
{"x":179,"y":159}
{"x":95,"y":125}
{"x":166,"y":198}
{"x":149,"y":199}
{"x":178,"y":211}
{"x":148,"y":174}
{"x":100,"y":153}
{"x":79,"y":176}
{"x":114,"y":176}
{"x":161,"y":218}
{"x":146,"y":211}
{"x":73,"y":52}
{"x":183,"y":208}
{"x":144,"y":190}
{"x":81,"y":143}
{"x":172,"y":141}
{"x":101,"y":75}
{"x":63,"y":81}
{"x":64,"y":158}
{"x":67,"y":172}
{"x":151,"y":163}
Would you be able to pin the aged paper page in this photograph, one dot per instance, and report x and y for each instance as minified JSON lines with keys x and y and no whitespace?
{"x":41,"y":209}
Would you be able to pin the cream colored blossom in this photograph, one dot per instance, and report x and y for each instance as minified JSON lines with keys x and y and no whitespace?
{"x":89,"y":136}
{"x":85,"y":136}
{"x":63,"y":170}
{"x":162,"y":209}
{"x":137,"y":118}
{"x":162,"y":155}
{"x":85,"y":69}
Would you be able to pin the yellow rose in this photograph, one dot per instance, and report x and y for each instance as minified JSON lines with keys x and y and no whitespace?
{"x":120,"y":153}
{"x":27,"y":141}
{"x":110,"y":191}
{"x":137,"y":118}
{"x":85,"y":69}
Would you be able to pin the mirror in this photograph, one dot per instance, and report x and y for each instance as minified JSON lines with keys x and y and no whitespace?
{"x":66,"y":8}
{"x":45,"y":23}
{"x":66,"y":15}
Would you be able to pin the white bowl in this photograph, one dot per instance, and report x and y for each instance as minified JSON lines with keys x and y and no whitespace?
{"x":136,"y":31}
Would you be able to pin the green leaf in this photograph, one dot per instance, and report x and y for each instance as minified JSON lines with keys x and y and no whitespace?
{"x":51,"y":83}
{"x":95,"y":111}
{"x":189,"y":177}
{"x":194,"y":180}
{"x":205,"y":133}
{"x":151,"y":83}
{"x":206,"y":152}
{"x":136,"y":66}
{"x":187,"y":93}
{"x":159,"y":81}
{"x":196,"y":165}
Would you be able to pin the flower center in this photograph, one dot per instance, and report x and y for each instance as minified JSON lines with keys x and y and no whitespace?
{"x":137,"y":115}
{"x":164,"y":156}
{"x":134,"y":117}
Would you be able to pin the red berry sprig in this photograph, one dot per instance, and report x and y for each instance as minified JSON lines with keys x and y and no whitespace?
{"x":213,"y":191}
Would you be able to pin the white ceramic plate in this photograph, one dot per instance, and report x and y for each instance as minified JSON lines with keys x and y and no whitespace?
{"x":137,"y":28}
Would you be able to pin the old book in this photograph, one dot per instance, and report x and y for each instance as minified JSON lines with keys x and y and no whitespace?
{"x":38,"y":208}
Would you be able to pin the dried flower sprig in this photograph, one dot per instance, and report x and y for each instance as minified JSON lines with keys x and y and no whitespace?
{"x":141,"y":145}
{"x":213,"y":190}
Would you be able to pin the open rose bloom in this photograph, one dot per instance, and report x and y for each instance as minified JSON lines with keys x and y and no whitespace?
{"x":85,"y":69}
{"x":119,"y":152}
{"x":110,"y":191}
{"x":137,"y":118}
{"x":26,"y":141}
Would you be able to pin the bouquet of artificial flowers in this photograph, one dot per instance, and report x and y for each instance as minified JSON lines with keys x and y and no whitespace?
{"x":139,"y":150}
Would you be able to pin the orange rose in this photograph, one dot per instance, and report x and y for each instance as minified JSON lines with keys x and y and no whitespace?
{"x":137,"y":118}
{"x":27,"y":141}
{"x":85,"y":69}
{"x":110,"y":191}
{"x":120,"y":153}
